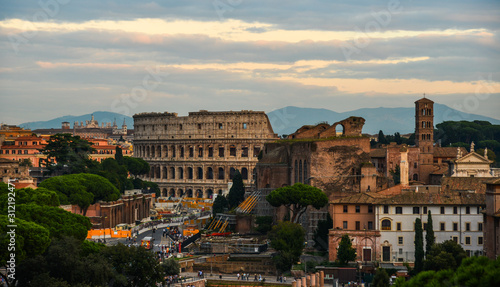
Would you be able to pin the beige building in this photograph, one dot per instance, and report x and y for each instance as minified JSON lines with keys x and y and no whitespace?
{"x":197,"y":155}
{"x":471,"y":165}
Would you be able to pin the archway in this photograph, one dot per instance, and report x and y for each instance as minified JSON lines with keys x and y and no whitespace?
{"x":339,"y":130}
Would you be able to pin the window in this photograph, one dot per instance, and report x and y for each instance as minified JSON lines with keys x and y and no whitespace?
{"x":398,"y":226}
{"x":442,"y":209}
{"x":199,"y":126}
{"x":210,"y":151}
{"x":416,"y":210}
{"x":344,"y":224}
{"x":467,"y":210}
{"x":467,"y":226}
{"x":244,"y":151}
{"x":455,"y":239}
{"x":221,"y":126}
{"x":358,"y":225}
{"x":358,"y":209}
{"x":386,"y":224}
{"x":455,"y":226}
{"x":425,"y":210}
{"x":386,"y":209}
{"x":370,"y":225}
{"x":455,"y":210}
{"x":221,"y":151}
{"x":244,"y":126}
{"x":442,"y":226}
{"x":191,"y":151}
{"x":478,"y":210}
{"x":400,"y":240}
{"x":370,"y":208}
{"x":467,"y":240}
{"x":399,"y":210}
{"x":480,"y":240}
{"x":232,"y":150}
{"x":479,"y":226}
{"x":345,"y":208}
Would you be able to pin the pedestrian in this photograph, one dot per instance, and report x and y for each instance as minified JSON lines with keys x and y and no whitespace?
{"x":220,"y":276}
{"x":284,"y":279}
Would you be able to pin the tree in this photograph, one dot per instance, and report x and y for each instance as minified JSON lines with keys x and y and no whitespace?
{"x":429,"y":234}
{"x":220,"y":203}
{"x":68,"y":154}
{"x":236,"y":194}
{"x":119,"y":155}
{"x":297,"y":198}
{"x":381,"y":138}
{"x":321,"y":233}
{"x":170,"y":267}
{"x":381,"y":278}
{"x":81,"y":189}
{"x":288,"y":239}
{"x":419,"y":246}
{"x":345,"y":251}
{"x":445,"y":255}
{"x":264,"y":224}
{"x":136,"y":166}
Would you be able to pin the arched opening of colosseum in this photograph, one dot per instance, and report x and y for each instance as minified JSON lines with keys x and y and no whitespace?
{"x":164,"y":172}
{"x":221,"y":151}
{"x":232,"y":171}
{"x":200,"y":173}
{"x":180,"y":193}
{"x":158,"y":172}
{"x":164,"y":192}
{"x":189,"y":193}
{"x":210,"y":173}
{"x":158,"y":150}
{"x":199,"y":193}
{"x":244,"y":151}
{"x":165,"y":151}
{"x":152,"y":151}
{"x":191,"y":151}
{"x":181,"y":173}
{"x":147,"y":152}
{"x":172,"y":172}
{"x":173,"y":150}
{"x":210,"y":151}
{"x":232,"y":150}
{"x":221,"y":173}
{"x":200,"y":151}
{"x":244,"y":173}
{"x":172,"y":192}
{"x":339,"y":130}
{"x":190,"y":173}
{"x":181,"y":150}
{"x":209,"y":193}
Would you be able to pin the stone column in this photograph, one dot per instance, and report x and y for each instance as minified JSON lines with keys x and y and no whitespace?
{"x":294,"y":284}
{"x":322,"y":278}
{"x":308,"y":280}
{"x":297,"y":283}
{"x":313,"y":280}
{"x":304,"y":283}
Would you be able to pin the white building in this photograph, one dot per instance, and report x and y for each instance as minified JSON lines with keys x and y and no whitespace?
{"x":455,"y":215}
{"x":472,"y":164}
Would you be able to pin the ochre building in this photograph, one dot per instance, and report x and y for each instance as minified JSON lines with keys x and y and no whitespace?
{"x":197,"y":155}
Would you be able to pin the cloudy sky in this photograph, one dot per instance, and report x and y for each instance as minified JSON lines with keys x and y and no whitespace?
{"x":75,"y":57}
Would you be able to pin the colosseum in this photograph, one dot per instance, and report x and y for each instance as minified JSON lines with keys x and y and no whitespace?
{"x":197,"y":155}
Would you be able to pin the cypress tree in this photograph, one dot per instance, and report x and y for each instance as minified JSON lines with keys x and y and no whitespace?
{"x":429,"y":235}
{"x":419,"y":246}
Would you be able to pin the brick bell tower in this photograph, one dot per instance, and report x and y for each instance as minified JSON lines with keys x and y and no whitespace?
{"x":424,"y":138}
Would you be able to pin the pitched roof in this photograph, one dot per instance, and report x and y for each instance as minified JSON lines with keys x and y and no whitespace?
{"x":379,"y":152}
{"x":464,"y":183}
{"x":435,"y":198}
{"x":450,"y":152}
{"x":364,"y":197}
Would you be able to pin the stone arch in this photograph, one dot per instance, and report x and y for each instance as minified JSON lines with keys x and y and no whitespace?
{"x":199,"y":193}
{"x":209,"y":193}
{"x":244,"y":173}
{"x":189,"y":193}
{"x":147,"y":152}
{"x":210,"y":173}
{"x":181,"y":172}
{"x":199,"y":174}
{"x":415,"y":177}
{"x":164,"y":192}
{"x":165,"y":172}
{"x":385,"y":224}
{"x":153,"y":151}
{"x":221,"y":173}
{"x":181,"y":151}
{"x":232,"y":171}
{"x":339,"y":129}
{"x":172,"y":192}
{"x":190,"y":173}
{"x":165,"y":151}
{"x":172,"y":172}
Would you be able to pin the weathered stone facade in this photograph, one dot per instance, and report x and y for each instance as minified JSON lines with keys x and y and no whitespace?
{"x":198,"y":154}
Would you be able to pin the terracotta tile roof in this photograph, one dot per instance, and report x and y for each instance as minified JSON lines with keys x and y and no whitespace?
{"x":443,"y":169}
{"x":449,"y":152}
{"x":395,"y":190}
{"x":19,"y":185}
{"x":435,"y":198}
{"x":364,"y":197}
{"x":464,"y":183}
{"x":379,"y":152}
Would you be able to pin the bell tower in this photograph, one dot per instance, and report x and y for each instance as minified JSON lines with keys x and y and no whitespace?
{"x":424,"y":138}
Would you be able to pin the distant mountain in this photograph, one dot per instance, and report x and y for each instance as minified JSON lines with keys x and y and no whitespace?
{"x":390,"y":120}
{"x":98,"y":116}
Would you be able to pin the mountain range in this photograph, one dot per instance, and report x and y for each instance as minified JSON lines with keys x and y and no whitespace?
{"x":288,"y":119}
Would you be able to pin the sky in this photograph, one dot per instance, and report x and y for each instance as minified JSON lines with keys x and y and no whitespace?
{"x":69,"y":57}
